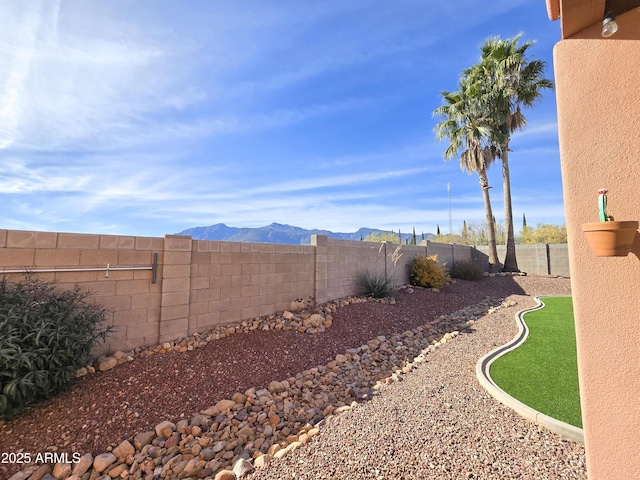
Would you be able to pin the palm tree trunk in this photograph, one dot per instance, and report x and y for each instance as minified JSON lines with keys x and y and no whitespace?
{"x":510,"y":260}
{"x":494,"y":265}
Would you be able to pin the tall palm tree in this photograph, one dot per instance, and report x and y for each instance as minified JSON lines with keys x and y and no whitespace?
{"x":509,"y":81}
{"x":464,"y":125}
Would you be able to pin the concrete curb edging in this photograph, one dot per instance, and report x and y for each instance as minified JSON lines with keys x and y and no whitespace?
{"x":484,"y":377}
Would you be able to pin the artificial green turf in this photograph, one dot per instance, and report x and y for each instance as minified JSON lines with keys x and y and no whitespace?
{"x":543,"y":371}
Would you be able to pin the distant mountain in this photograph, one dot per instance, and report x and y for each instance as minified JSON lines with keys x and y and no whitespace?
{"x":277,"y":233}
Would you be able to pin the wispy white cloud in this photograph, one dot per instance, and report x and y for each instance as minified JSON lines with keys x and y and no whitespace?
{"x":541,"y":129}
{"x":65,"y":90}
{"x":119,"y":118}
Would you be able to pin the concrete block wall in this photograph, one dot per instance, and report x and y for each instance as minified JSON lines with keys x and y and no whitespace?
{"x":133,"y":301}
{"x":232,"y":281}
{"x":399,"y":258}
{"x":447,"y":253}
{"x":559,"y":260}
{"x":176,"y":288}
{"x":541,"y":259}
{"x":338,"y":262}
{"x":201,"y":284}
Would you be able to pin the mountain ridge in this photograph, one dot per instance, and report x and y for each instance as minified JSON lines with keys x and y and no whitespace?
{"x":279,"y":233}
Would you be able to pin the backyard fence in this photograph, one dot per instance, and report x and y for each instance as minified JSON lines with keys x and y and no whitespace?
{"x":159,"y":289}
{"x":540,"y":259}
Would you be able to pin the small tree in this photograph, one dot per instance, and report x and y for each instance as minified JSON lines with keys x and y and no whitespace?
{"x":381,"y":237}
{"x":544,"y":233}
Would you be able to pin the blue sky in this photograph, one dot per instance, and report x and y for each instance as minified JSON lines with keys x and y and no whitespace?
{"x":150,"y":117}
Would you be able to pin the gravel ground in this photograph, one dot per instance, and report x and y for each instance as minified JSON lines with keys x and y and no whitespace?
{"x":437,"y":423}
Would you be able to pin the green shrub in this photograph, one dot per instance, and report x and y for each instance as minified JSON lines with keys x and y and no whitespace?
{"x":465,"y":270}
{"x":45,"y":336}
{"x":425,"y":272}
{"x":376,"y":285}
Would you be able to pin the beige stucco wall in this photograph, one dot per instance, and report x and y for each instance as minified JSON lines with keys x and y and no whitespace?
{"x":598,"y":97}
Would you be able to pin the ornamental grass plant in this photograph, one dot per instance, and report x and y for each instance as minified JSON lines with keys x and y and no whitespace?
{"x":374,"y":284}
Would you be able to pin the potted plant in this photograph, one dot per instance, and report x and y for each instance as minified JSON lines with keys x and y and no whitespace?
{"x":609,"y":238}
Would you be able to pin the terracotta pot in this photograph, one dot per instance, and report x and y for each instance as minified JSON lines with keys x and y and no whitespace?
{"x":610,"y":239}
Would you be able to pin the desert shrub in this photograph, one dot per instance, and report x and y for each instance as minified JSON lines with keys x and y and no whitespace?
{"x":465,"y":270}
{"x":425,"y":272}
{"x":46,"y":334}
{"x":376,"y":285}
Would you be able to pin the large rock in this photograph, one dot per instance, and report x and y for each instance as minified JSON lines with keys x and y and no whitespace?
{"x":61,"y":470}
{"x":274,"y":419}
{"x":240,"y":398}
{"x":245,"y":432}
{"x":142,"y":439}
{"x":297,"y":305}
{"x":165,"y":429}
{"x":276,"y":387}
{"x":242,"y":467}
{"x":262,"y":461}
{"x":23,"y":474}
{"x":103,"y":364}
{"x":42,"y":471}
{"x":218,"y":446}
{"x":314,"y":321}
{"x":225,"y":475}
{"x":224,"y":405}
{"x":115,"y":472}
{"x":341,"y":358}
{"x":102,"y":461}
{"x":83,"y":465}
{"x":123,"y":450}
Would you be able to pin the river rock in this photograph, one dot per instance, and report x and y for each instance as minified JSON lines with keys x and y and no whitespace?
{"x":262,"y":461}
{"x":83,"y":465}
{"x":43,"y":471}
{"x":297,"y":305}
{"x":165,"y":429}
{"x":61,"y":470}
{"x":23,"y":474}
{"x":102,"y":461}
{"x":341,"y":358}
{"x":142,"y":439}
{"x":104,"y":364}
{"x":123,"y":450}
{"x":276,"y":387}
{"x":225,"y":475}
{"x":314,"y":321}
{"x":242,"y":467}
{"x":218,"y":446}
{"x":239,"y":398}
{"x":224,"y":405}
{"x":117,"y":470}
